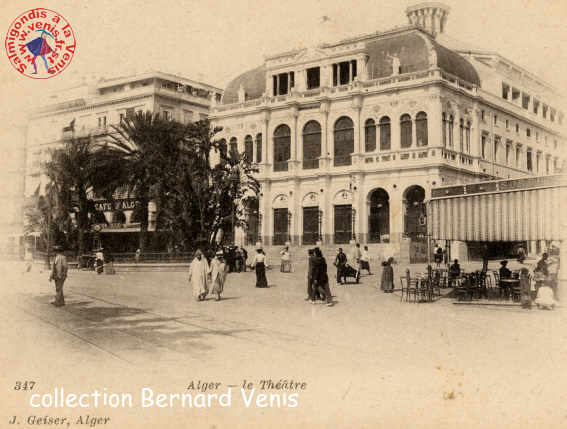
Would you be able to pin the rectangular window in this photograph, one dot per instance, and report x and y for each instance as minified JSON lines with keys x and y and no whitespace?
{"x":529,"y":165}
{"x":536,"y":106}
{"x":507,"y":124}
{"x":517,"y":128}
{"x":495,"y":119}
{"x":544,"y":110}
{"x":344,"y":73}
{"x":483,"y":147}
{"x":121,"y":117}
{"x":528,"y":132}
{"x":166,"y":115}
{"x":505,"y":91}
{"x":525,"y":101}
{"x":482,"y":117}
{"x":508,"y":148}
{"x":283,"y":84}
{"x":552,"y":115}
{"x":313,"y":78}
{"x":515,"y":94}
{"x":518,"y":154}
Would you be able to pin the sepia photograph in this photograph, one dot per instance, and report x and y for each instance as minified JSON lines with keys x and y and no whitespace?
{"x":266,"y":214}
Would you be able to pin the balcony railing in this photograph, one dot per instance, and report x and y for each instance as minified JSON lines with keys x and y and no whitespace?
{"x":340,"y":161}
{"x":310,"y":164}
{"x":339,"y":91}
{"x":280,"y":166}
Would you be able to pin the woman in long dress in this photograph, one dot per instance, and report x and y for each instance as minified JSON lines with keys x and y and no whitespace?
{"x":260,"y":264}
{"x":199,"y":276}
{"x":387,"y":280}
{"x":218,"y":274}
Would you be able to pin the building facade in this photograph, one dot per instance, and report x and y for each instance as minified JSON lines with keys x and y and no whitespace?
{"x":91,"y":109}
{"x":350,"y":137}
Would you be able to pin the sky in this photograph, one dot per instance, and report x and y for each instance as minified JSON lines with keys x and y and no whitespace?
{"x":215,"y":40}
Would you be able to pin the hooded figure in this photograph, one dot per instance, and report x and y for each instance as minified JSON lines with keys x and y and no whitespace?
{"x":199,"y":276}
{"x":219,"y":269}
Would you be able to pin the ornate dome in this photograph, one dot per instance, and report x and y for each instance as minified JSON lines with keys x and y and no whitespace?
{"x":253,"y":82}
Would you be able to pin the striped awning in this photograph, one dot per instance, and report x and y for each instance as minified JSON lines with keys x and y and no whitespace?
{"x":504,"y":210}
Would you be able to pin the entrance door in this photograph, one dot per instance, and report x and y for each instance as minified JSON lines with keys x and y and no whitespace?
{"x":310,"y":225}
{"x":343,"y":224}
{"x":280,"y":226}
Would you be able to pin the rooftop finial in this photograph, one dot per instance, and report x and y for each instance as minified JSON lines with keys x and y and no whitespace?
{"x":429,"y":16}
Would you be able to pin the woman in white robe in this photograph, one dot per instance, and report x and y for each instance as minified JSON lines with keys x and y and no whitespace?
{"x":219,"y":269}
{"x":199,"y":276}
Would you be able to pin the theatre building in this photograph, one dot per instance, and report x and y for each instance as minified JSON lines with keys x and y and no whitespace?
{"x":351,"y":136}
{"x":91,"y":109}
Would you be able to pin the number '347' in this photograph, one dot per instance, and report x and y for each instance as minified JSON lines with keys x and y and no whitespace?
{"x":24,"y":385}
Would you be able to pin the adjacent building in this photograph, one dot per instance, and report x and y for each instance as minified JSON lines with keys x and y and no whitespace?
{"x":91,"y":109}
{"x":351,"y":136}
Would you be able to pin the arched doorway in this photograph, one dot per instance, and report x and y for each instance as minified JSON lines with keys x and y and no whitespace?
{"x":252,"y":229}
{"x":379,"y":216}
{"x":415,"y":223}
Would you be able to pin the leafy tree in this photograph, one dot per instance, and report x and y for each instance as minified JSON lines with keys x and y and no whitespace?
{"x":143,"y":150}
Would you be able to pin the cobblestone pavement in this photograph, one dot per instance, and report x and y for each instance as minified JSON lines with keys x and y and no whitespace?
{"x":368,"y":361}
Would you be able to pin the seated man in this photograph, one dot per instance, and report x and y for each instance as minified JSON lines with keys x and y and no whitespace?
{"x":454,"y":272}
{"x":505,"y":273}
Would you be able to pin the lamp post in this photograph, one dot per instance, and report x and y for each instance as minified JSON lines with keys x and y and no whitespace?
{"x":289,"y":226}
{"x":320,"y":238}
{"x":353,"y":224}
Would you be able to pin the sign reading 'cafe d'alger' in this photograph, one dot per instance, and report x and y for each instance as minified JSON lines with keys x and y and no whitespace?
{"x":125,"y":204}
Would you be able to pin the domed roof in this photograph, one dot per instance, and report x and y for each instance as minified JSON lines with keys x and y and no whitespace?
{"x":253,"y":82}
{"x":413,"y":50}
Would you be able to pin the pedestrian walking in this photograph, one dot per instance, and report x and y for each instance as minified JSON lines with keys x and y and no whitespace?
{"x":260,"y":266}
{"x":320,"y":277}
{"x":310,"y":256}
{"x":285,"y":266}
{"x":387,"y":280}
{"x":365,"y":260}
{"x":355,"y":257}
{"x":219,"y":270}
{"x":137,"y":255}
{"x":340,"y":263}
{"x":244,"y":254}
{"x":59,"y":275}
{"x":99,"y":257}
{"x":199,"y":276}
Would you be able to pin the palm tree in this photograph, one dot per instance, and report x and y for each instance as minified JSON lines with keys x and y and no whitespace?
{"x":143,"y":149}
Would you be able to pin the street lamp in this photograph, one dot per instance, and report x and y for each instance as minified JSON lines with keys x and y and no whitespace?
{"x":289,"y":226}
{"x":353,"y":223}
{"x":320,"y":224}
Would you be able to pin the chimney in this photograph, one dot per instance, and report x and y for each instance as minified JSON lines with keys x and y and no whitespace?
{"x":431,"y":17}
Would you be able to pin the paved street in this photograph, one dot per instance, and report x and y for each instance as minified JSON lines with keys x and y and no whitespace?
{"x":369,"y":361}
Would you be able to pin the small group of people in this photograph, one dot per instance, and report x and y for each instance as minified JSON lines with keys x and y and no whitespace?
{"x":205,"y":278}
{"x":317,"y":278}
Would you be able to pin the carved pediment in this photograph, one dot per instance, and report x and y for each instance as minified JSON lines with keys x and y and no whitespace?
{"x":311,"y":55}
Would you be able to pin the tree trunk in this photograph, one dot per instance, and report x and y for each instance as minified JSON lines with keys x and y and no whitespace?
{"x":143,"y":224}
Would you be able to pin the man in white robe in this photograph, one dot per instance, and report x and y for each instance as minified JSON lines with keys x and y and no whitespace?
{"x":199,"y":276}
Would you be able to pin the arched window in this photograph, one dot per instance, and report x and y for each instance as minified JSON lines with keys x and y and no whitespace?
{"x":369,"y":135}
{"x":468,"y":137}
{"x":311,"y":145}
{"x":462,"y":135}
{"x":233,"y":145}
{"x":249,"y":148}
{"x":282,"y":147}
{"x":259,"y":147}
{"x":385,"y":133}
{"x":421,"y":129}
{"x":444,"y":130}
{"x":405,"y":131}
{"x":451,"y":131}
{"x":343,"y":141}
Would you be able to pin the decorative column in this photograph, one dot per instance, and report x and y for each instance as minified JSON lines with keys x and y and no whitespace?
{"x":292,"y":163}
{"x":325,"y":151}
{"x":395,"y":127}
{"x":397,"y":208}
{"x":434,"y":123}
{"x":358,"y":135}
{"x":265,"y":145}
{"x":362,"y":216}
